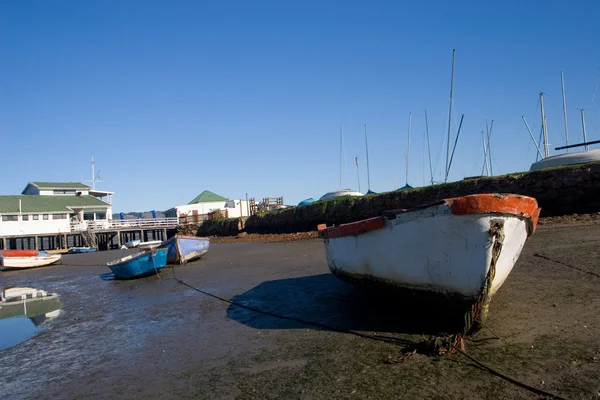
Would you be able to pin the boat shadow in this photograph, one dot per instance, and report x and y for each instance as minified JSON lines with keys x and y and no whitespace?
{"x":331,"y":304}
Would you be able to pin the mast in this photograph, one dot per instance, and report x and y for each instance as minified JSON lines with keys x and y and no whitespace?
{"x":489,"y":153}
{"x":450,"y":116}
{"x":583,"y":127}
{"x":562,"y":80}
{"x":93,"y":175}
{"x":408,"y":145}
{"x":544,"y":127}
{"x":341,"y":133}
{"x":357,"y":173}
{"x":484,"y":168}
{"x":367,"y":150}
{"x":428,"y":147}
{"x":532,"y":138}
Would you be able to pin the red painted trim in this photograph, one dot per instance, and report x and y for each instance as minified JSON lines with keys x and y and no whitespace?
{"x":351,"y":229}
{"x":522,"y":206}
{"x":19,"y":253}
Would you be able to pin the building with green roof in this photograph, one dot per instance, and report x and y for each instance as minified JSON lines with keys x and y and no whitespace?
{"x":52,"y":208}
{"x":208,"y":202}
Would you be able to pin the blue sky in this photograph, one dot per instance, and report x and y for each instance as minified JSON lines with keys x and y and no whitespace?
{"x":175,"y":97}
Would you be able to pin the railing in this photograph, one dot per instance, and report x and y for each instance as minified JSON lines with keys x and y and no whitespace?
{"x":115,"y":224}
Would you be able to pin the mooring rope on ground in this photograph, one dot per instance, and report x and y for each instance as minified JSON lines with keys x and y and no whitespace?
{"x":380,"y":338}
{"x":542,"y":256}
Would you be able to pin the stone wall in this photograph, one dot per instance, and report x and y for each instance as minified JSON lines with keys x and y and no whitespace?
{"x":559,"y":191}
{"x":221,"y":227}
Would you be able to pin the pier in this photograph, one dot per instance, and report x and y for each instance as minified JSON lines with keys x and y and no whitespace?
{"x":103,"y":235}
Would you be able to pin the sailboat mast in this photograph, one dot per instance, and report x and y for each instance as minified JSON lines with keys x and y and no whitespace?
{"x":450,"y":116}
{"x":428,"y":147}
{"x":341,"y":134}
{"x":583,"y":127}
{"x":408,"y":145}
{"x":544,"y":127}
{"x":367,"y":150}
{"x":93,"y":175}
{"x":562,"y":81}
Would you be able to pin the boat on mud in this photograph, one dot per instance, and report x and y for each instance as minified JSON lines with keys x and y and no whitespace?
{"x":183,"y":249}
{"x":79,"y":250}
{"x":149,"y":245}
{"x":459,"y":250}
{"x":18,"y":259}
{"x":140,"y":264}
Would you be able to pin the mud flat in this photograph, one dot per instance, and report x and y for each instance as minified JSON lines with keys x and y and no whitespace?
{"x":154,"y":338}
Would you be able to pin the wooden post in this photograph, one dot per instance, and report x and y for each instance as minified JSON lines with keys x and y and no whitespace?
{"x":119,"y":239}
{"x":36,"y":243}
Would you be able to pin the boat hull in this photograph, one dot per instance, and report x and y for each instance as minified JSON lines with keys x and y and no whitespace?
{"x":439,"y":251}
{"x":132,"y":243}
{"x":149,"y":245}
{"x":79,"y":250}
{"x":183,"y":249}
{"x":139,"y":264}
{"x":581,"y":157}
{"x":42,"y":259}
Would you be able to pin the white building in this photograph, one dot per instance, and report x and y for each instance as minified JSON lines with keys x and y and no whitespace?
{"x":47,"y":208}
{"x":208,"y":202}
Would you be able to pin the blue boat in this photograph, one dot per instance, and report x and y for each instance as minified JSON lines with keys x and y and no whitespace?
{"x":183,"y":249}
{"x":139,"y":264}
{"x":77,"y":250}
{"x":306,"y":201}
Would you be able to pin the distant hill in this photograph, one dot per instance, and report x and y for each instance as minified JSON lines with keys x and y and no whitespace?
{"x":134,"y":215}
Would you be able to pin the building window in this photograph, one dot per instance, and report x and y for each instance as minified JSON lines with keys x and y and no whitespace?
{"x":35,"y":217}
{"x":25,"y":217}
{"x":88,"y":216}
{"x":44,"y":216}
{"x":61,"y":191}
{"x":59,"y":216}
{"x":10,"y":218}
{"x":100,"y":215}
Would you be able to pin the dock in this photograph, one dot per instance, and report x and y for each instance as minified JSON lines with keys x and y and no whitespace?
{"x":103,"y":235}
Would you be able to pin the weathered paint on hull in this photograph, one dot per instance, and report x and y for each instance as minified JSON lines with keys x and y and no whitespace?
{"x":139,"y":265}
{"x":183,"y":249}
{"x":28,"y":262}
{"x":444,"y":251}
{"x":437,"y":252}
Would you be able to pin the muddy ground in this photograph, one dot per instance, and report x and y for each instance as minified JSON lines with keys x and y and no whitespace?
{"x":154,"y":338}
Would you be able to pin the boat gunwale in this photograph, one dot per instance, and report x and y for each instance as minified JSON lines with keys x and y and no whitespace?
{"x":484,"y":203}
{"x":134,"y":256}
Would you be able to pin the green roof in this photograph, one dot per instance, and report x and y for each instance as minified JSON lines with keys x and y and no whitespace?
{"x":206,"y":197}
{"x":46,"y":204}
{"x":59,"y":185}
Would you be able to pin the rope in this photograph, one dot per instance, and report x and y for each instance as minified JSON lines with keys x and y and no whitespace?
{"x":459,"y":348}
{"x":566,"y":265}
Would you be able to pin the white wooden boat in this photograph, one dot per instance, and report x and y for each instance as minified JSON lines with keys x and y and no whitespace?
{"x":581,"y":157}
{"x":149,"y":245}
{"x":10,"y":259}
{"x":340,"y":193}
{"x":460,"y":248}
{"x":21,"y":293}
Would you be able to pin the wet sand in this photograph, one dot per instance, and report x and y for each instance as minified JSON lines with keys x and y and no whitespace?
{"x":153,"y":338}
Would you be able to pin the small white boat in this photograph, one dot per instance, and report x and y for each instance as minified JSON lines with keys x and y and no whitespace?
{"x":149,"y":245}
{"x":581,"y":157}
{"x":21,"y":293}
{"x":132,"y":243}
{"x":26,"y":259}
{"x":460,"y":248}
{"x":340,"y":193}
